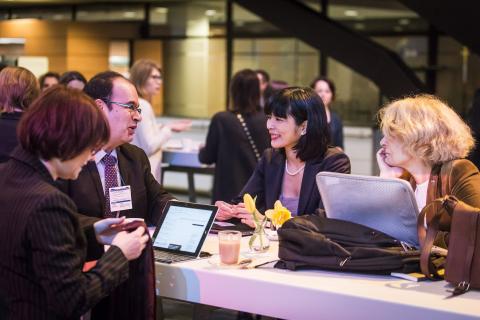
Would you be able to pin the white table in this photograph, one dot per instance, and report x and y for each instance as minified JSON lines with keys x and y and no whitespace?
{"x":311,"y":294}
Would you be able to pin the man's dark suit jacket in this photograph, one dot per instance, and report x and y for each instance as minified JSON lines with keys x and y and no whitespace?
{"x":266,"y":181}
{"x":43,"y":247}
{"x":132,"y":299}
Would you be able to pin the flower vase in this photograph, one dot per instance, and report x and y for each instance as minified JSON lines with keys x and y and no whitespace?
{"x":259,"y":241}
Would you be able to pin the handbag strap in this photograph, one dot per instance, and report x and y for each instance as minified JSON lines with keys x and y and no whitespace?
{"x":427,"y":236}
{"x":249,"y":136}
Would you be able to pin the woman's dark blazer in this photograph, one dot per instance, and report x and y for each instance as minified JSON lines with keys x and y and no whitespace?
{"x":43,"y":247}
{"x":8,"y":134}
{"x":266,"y":181}
{"x":228,"y":147}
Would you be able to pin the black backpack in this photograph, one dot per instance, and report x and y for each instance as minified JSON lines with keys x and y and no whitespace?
{"x":314,"y":242}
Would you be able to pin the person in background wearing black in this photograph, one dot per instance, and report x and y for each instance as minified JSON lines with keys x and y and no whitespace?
{"x":265,"y":88}
{"x":42,"y":237}
{"x":236,"y":138}
{"x":325,"y":88}
{"x":18,"y":89}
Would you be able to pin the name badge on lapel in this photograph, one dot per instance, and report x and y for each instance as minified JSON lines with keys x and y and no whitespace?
{"x":120,"y":198}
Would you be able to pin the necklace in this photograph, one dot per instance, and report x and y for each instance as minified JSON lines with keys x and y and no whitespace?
{"x":295,"y":172}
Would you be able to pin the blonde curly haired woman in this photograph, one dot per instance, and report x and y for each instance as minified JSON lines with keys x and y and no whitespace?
{"x":422,"y":137}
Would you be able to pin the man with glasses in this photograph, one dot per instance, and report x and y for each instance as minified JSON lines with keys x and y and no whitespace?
{"x":120,"y":183}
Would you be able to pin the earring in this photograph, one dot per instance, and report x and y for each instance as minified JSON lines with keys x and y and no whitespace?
{"x":304,"y":132}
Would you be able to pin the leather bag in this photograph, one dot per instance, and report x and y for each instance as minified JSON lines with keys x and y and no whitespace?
{"x":313,"y":242}
{"x":462,"y":267}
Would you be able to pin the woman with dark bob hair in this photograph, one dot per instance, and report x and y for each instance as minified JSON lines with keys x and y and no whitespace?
{"x":236,"y":138}
{"x":43,"y":237}
{"x":18,"y":89}
{"x":298,"y":129}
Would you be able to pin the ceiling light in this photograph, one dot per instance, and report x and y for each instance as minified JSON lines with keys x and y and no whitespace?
{"x":12,"y":41}
{"x":351,"y":13}
{"x":210,"y":12}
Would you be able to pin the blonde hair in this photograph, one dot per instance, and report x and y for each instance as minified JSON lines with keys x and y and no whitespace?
{"x":140,"y":72}
{"x":18,"y":89}
{"x":428,"y":128}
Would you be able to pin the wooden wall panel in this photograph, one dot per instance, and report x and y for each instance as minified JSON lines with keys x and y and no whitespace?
{"x":42,"y":38}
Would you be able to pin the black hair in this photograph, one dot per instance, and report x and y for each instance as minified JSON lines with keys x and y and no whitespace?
{"x":245,"y":92}
{"x":50,"y":74}
{"x":303,"y":104}
{"x":101,"y":85}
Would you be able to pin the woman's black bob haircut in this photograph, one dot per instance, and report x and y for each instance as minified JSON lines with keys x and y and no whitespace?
{"x":303,"y":104}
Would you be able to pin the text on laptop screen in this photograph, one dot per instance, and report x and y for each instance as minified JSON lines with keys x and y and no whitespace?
{"x":182,"y":228}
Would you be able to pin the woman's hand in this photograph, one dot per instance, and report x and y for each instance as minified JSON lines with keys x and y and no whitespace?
{"x":387,"y":171}
{"x":180,"y":125}
{"x":131,"y":244}
{"x":105,"y":231}
{"x":242,"y":214}
{"x":225,"y":211}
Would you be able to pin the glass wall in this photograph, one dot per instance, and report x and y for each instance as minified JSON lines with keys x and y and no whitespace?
{"x":193,"y":37}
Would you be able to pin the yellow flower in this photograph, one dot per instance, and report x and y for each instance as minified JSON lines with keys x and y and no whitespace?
{"x":249,"y":203}
{"x":278,"y":215}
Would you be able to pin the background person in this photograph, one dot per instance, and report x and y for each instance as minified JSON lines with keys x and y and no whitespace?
{"x":236,"y":138}
{"x":299,"y":135}
{"x":421,"y":135}
{"x":265,"y":88}
{"x":43,"y":242}
{"x":48,"y":80}
{"x":73,"y":79}
{"x":18,"y":89}
{"x":325,"y":88}
{"x":150,"y":135}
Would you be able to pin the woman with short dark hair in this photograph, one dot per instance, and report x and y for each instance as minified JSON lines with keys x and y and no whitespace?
{"x":236,"y":138}
{"x":43,"y":237}
{"x":298,"y":129}
{"x":18,"y":89}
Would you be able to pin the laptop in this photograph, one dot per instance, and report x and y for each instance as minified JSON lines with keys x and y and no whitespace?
{"x":387,"y":205}
{"x":182,"y":230}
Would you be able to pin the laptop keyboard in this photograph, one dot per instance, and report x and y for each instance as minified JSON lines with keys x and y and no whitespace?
{"x":168,"y":257}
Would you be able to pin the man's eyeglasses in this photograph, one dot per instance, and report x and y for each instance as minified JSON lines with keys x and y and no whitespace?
{"x":131,"y":106}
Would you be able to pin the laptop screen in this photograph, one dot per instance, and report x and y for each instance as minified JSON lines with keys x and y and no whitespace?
{"x":184,"y":227}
